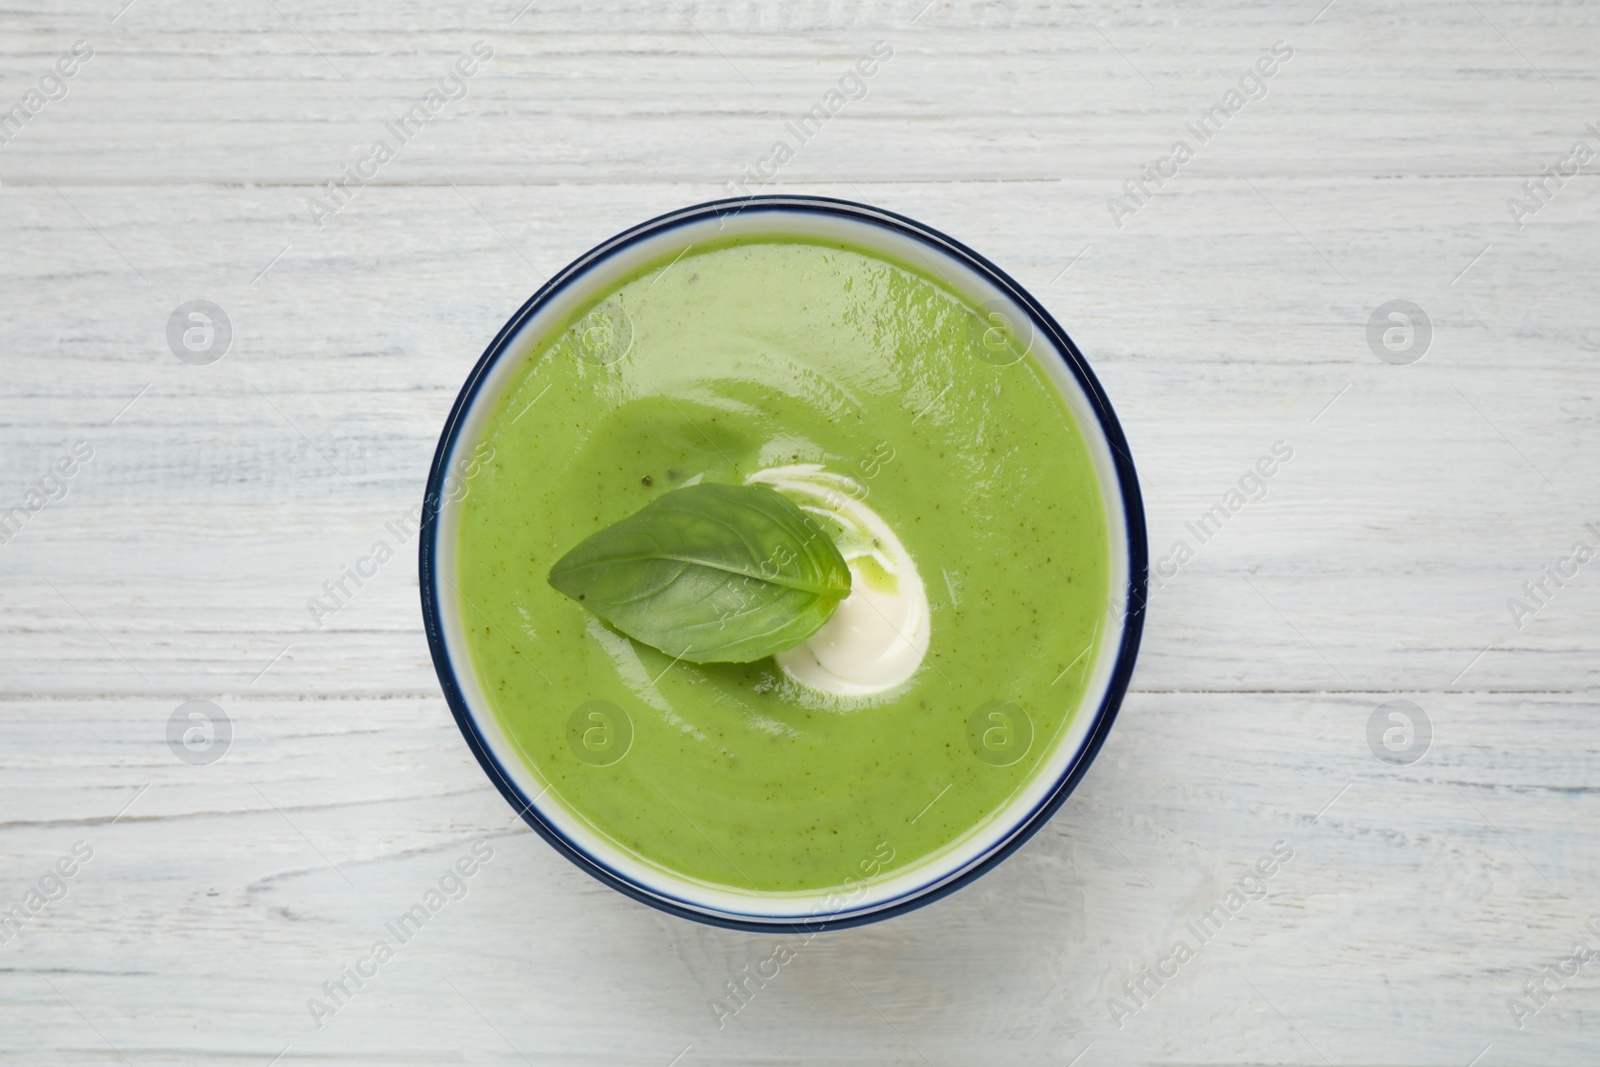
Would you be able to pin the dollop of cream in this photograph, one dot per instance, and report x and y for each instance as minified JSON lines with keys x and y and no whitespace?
{"x":877,"y":637}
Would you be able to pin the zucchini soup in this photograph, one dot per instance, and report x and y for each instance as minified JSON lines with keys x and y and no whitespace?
{"x":791,"y":571}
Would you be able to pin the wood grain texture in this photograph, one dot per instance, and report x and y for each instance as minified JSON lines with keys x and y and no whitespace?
{"x":1227,"y":314}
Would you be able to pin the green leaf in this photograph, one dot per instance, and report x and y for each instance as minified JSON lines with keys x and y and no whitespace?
{"x":710,"y":574}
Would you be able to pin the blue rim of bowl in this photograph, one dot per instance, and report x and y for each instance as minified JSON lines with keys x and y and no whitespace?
{"x":1133,"y":512}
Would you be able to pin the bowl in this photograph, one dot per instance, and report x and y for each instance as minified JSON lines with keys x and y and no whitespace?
{"x":574,"y":290}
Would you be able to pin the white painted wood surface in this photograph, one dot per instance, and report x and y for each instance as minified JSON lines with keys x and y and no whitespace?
{"x":1227,"y":314}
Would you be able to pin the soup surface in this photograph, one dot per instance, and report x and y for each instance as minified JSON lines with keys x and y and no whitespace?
{"x":732,"y":360}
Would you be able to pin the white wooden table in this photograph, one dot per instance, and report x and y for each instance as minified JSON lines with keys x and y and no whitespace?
{"x":1228,"y":312}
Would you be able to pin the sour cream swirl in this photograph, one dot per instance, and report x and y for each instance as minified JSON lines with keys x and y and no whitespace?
{"x":878,"y":636}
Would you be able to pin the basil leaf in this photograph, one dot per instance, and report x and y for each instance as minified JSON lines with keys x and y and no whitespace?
{"x":710,"y":573}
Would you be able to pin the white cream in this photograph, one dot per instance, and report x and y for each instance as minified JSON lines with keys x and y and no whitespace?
{"x":877,"y":637}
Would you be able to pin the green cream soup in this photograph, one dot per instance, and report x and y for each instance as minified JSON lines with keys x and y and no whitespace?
{"x":741,"y":357}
